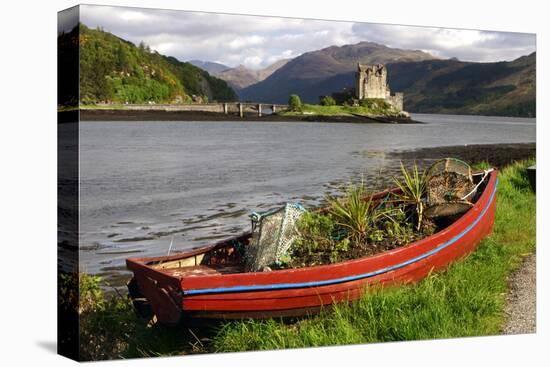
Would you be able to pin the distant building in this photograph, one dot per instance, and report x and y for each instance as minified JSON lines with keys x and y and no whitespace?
{"x":371,"y":82}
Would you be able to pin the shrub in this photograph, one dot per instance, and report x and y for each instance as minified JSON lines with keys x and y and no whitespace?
{"x":317,"y":243}
{"x":327,"y":101}
{"x":374,"y":103}
{"x":294,"y":103}
{"x":413,"y":188}
{"x":355,"y":211}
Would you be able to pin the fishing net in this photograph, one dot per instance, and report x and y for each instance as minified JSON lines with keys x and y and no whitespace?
{"x":272,"y":235}
{"x":449,"y":187}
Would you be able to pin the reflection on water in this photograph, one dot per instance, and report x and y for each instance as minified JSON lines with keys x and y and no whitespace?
{"x":144,"y":183}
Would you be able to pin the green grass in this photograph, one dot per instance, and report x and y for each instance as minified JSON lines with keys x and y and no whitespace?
{"x":467,"y":299}
{"x":110,"y":329}
{"x":314,"y":109}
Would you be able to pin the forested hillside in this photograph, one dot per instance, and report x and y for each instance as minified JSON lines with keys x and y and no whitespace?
{"x":115,"y":70}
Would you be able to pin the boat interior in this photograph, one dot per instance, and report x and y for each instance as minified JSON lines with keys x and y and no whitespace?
{"x":222,"y":258}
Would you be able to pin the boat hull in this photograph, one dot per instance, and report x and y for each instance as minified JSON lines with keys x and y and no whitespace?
{"x":295,"y":292}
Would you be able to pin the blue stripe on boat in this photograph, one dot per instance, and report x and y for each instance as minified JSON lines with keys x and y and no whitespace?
{"x":269,"y":287}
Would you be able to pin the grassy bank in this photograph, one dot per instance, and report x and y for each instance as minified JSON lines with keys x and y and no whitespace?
{"x":339,"y":110}
{"x":466,"y":300}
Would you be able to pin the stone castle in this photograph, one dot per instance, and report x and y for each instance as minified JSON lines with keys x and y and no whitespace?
{"x":371,"y":82}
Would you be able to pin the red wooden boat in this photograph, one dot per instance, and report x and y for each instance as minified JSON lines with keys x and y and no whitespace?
{"x":210,"y":282}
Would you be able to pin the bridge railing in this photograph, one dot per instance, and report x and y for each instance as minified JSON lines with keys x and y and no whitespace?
{"x":219,"y":107}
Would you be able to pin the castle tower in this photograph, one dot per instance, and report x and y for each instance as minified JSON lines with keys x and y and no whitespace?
{"x":372,"y":81}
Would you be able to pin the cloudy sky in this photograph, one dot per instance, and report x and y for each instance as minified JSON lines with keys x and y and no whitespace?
{"x":257,"y":42}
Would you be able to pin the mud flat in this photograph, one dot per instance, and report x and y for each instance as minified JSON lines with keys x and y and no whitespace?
{"x":159,"y":115}
{"x":498,"y":155}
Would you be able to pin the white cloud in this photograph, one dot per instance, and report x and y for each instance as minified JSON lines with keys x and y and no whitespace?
{"x":133,"y":16}
{"x":166,"y":48}
{"x":252,"y":61}
{"x":241,"y":42}
{"x":259,"y":41}
{"x":465,"y":44}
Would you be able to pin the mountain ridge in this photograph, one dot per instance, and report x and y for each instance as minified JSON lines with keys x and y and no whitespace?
{"x":429,"y":84}
{"x":302,"y":74}
{"x":239,"y":77}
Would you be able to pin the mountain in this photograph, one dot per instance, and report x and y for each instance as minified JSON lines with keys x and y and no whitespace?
{"x":322,"y":72}
{"x":213,"y":68}
{"x":267,"y":71}
{"x":430,"y":85}
{"x":115,"y":70}
{"x":241,"y":77}
{"x":452,"y":86}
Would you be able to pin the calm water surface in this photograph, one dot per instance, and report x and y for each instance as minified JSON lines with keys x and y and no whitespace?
{"x":146,"y":183}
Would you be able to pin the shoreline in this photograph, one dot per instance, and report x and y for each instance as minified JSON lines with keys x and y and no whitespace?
{"x":498,"y":155}
{"x":162,"y":115}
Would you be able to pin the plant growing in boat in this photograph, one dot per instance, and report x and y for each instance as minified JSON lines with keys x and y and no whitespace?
{"x":394,"y":228}
{"x":318,"y":242}
{"x":354,"y":226}
{"x":356,"y":212}
{"x":412,"y":186}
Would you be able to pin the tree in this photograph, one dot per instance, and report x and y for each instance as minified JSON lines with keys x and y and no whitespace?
{"x":294,"y":103}
{"x":121,"y":58}
{"x":327,"y":101}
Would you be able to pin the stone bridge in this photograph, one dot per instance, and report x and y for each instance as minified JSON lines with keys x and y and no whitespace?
{"x":239,"y":108}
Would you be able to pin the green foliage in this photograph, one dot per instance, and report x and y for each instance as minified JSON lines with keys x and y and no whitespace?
{"x":109,"y":328}
{"x":320,"y":242}
{"x":81,"y":292}
{"x":90,"y":294}
{"x":294,"y":103}
{"x":412,"y":190}
{"x":114,"y":70}
{"x":483,"y":165}
{"x":327,"y":101}
{"x":393,"y":227}
{"x":198,"y":82}
{"x":354,"y":226}
{"x":344,"y":110}
{"x":356,"y":211}
{"x":467,"y":299}
{"x":375,"y":104}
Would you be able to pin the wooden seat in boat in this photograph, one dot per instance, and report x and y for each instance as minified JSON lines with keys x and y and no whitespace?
{"x":199,"y":270}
